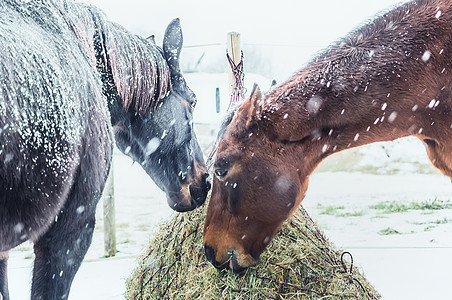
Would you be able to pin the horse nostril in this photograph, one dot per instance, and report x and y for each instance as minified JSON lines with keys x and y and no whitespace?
{"x":210,"y":254}
{"x":206,"y":182}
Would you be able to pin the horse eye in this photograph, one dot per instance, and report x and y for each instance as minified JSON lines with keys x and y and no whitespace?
{"x":220,"y":173}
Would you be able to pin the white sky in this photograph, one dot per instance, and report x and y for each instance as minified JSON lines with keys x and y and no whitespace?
{"x":208,"y":21}
{"x":306,"y":26}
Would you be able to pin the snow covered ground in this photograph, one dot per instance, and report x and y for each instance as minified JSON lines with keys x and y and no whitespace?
{"x":405,"y":255}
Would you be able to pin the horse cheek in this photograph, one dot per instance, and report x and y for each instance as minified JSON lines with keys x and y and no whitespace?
{"x":234,"y":199}
{"x":216,"y":210}
{"x":302,"y":193}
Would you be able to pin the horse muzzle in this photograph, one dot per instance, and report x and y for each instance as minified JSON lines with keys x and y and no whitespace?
{"x":199,"y":192}
{"x":234,"y":262}
{"x":190,"y":196}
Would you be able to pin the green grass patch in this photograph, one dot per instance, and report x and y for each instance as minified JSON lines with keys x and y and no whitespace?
{"x":338,"y":211}
{"x":430,"y":227}
{"x":442,"y":221}
{"x":329,"y":210}
{"x":356,"y":213}
{"x":435,"y":204}
{"x":400,"y":207}
{"x":123,"y":225}
{"x":390,"y":207}
{"x":388,"y":231}
{"x":436,"y":222}
{"x":144,"y":227}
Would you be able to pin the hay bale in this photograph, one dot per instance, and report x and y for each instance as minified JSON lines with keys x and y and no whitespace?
{"x":299,"y":263}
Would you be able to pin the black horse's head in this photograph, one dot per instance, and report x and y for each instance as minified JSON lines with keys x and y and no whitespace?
{"x":162,"y":139}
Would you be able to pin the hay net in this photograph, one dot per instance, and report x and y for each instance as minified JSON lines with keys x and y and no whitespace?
{"x":299,"y":263}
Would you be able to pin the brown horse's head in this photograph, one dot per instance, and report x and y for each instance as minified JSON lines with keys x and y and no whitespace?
{"x":257,"y":186}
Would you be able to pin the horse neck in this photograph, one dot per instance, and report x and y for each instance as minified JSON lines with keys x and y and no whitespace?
{"x":88,"y":24}
{"x":323,"y":122}
{"x":377,"y":84}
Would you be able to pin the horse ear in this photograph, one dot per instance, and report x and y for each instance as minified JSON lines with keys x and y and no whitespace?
{"x":254,"y":105}
{"x":172,"y":45}
{"x":151,"y":39}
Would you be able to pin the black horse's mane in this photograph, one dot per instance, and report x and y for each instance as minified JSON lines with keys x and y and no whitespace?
{"x":132,"y":67}
{"x":142,"y":76}
{"x":137,"y":66}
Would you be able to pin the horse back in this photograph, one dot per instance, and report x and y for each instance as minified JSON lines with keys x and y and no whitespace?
{"x":52,"y":116}
{"x":397,"y":67}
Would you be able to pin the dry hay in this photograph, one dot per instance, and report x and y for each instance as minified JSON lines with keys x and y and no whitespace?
{"x":299,"y":263}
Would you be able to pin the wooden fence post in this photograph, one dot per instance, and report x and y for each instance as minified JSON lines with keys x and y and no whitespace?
{"x":235,"y":53}
{"x":109,"y":216}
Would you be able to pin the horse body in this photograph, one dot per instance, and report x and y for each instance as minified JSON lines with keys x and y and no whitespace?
{"x":68,"y":79}
{"x":389,"y":79}
{"x":44,"y":128}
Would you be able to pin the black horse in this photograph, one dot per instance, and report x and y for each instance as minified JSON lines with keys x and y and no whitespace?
{"x":68,"y":80}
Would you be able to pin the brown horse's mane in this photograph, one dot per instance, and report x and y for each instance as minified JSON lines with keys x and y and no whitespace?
{"x":364,"y":47}
{"x":373,"y":53}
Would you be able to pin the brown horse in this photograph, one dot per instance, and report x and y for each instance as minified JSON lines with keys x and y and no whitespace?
{"x":389,"y":79}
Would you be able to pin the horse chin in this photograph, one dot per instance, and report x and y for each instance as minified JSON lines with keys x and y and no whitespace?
{"x":236,"y":261}
{"x":190,"y":195}
{"x":240,"y":262}
{"x":188,"y":198}
{"x":235,"y":267}
{"x":180,"y":201}
{"x":198,"y":194}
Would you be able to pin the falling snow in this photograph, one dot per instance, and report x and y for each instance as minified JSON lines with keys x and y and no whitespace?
{"x":438,"y":14}
{"x":433,"y":104}
{"x":8,"y":157}
{"x":314,"y":104}
{"x":392,"y":117}
{"x":164,"y":134}
{"x":426,"y":56}
{"x":80,"y":209}
{"x":152,"y":146}
{"x":19,"y":227}
{"x":371,"y":53}
{"x":283,"y":183}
